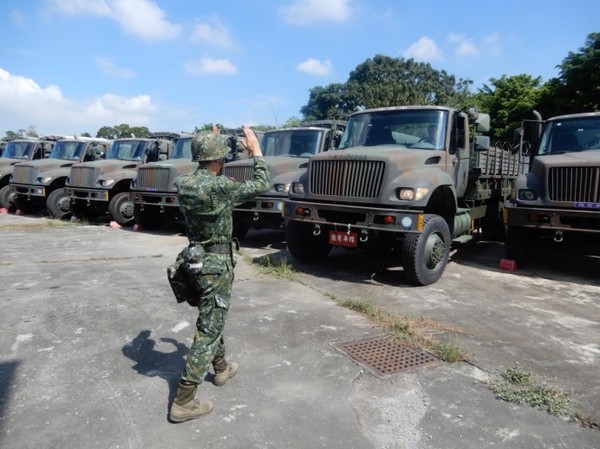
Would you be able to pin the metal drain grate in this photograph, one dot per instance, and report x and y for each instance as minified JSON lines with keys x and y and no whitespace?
{"x":385,"y":356}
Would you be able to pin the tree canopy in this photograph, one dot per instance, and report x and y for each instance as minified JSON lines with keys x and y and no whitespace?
{"x":121,"y":131}
{"x":385,"y":81}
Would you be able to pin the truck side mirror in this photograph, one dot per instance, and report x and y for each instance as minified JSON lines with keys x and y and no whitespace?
{"x":482,"y":123}
{"x":482,"y":143}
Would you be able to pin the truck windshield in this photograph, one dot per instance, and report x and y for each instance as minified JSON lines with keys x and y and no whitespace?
{"x":292,"y":142}
{"x":67,"y":150}
{"x":420,"y":129}
{"x":128,"y":150}
{"x":183,"y":149}
{"x":18,"y":150}
{"x":571,"y":135}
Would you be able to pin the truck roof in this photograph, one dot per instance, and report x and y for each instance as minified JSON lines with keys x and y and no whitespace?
{"x":404,"y":108}
{"x":578,"y":115}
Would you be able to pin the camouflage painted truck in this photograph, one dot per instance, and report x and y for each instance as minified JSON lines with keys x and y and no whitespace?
{"x":286,"y":152}
{"x":20,"y":150}
{"x":405,"y":180}
{"x":38,"y":184}
{"x":97,"y":187}
{"x":154,"y":189}
{"x":558,"y":201}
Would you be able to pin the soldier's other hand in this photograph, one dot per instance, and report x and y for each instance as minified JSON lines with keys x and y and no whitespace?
{"x":250,"y":142}
{"x":216,"y":130}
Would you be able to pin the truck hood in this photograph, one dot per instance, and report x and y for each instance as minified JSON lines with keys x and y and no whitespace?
{"x":399,"y":156}
{"x":108,"y":165}
{"x":578,"y":159}
{"x":276,"y":164}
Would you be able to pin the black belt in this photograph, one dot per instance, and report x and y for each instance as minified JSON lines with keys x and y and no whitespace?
{"x":219,"y":248}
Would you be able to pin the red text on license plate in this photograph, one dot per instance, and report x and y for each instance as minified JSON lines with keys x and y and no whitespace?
{"x":343,"y":238}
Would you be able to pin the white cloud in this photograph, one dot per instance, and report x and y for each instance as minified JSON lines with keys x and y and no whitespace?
{"x":141,"y":18}
{"x":304,"y":12}
{"x":109,"y":68}
{"x":315,"y":67}
{"x":464,"y":46}
{"x":492,"y":43}
{"x":24,"y":103}
{"x":210,"y":66}
{"x":424,"y":50}
{"x":213,"y":32}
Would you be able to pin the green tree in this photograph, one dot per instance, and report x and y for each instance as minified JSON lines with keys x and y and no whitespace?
{"x":508,"y":100}
{"x":577,"y":88}
{"x":121,"y":131}
{"x":292,"y":121}
{"x":385,"y":81}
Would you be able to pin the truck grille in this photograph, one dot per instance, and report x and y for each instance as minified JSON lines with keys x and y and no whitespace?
{"x":574,"y":184}
{"x":358,"y":179}
{"x":239,"y":173}
{"x":24,"y":174}
{"x":83,"y":176}
{"x":153,"y":178}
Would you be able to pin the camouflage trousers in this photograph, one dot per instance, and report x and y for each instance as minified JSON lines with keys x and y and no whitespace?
{"x":208,"y":346}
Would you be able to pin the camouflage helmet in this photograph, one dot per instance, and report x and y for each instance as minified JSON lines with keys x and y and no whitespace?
{"x":208,"y":147}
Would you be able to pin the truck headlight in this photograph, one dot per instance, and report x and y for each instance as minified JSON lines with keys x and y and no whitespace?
{"x":44,"y":180}
{"x":298,"y":187}
{"x":527,"y":195}
{"x":106,"y":182}
{"x":409,"y":194}
{"x":281,"y":188}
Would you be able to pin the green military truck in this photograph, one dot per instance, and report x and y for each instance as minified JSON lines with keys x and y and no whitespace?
{"x":406,"y":180}
{"x":102,"y":186}
{"x":558,"y":200}
{"x":38,"y":184}
{"x":153,"y":190}
{"x":20,"y":150}
{"x":286,"y":152}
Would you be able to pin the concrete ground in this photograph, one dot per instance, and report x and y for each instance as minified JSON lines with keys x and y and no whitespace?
{"x":93,"y":342}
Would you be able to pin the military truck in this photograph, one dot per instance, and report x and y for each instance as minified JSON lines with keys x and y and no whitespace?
{"x":286,"y":152}
{"x":406,"y":180}
{"x":38,"y":184}
{"x":154,"y":189}
{"x":97,"y":187}
{"x":558,"y":201}
{"x":16,"y":151}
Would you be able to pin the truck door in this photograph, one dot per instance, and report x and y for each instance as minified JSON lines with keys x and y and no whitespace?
{"x":459,"y":149}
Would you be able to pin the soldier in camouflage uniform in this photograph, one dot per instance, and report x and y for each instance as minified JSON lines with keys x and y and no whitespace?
{"x":207,"y":200}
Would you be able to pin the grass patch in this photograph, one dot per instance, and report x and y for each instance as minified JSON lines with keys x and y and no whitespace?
{"x":518,"y":386}
{"x":411,"y":330}
{"x":279,"y":268}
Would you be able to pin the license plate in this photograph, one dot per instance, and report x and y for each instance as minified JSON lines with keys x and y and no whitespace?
{"x":343,"y":238}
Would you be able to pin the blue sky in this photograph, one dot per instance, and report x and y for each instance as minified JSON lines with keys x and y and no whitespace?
{"x":73,"y":66}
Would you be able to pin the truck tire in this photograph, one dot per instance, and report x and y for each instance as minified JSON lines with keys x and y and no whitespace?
{"x":148,"y":219}
{"x":58,"y":204}
{"x":425,"y":255}
{"x":518,"y":245}
{"x":303,"y":244}
{"x":121,"y":209}
{"x":8,"y":199}
{"x":81,"y":211}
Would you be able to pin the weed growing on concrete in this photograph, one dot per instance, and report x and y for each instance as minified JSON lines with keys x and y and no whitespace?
{"x":279,"y":268}
{"x":522,"y":387}
{"x":449,"y":351}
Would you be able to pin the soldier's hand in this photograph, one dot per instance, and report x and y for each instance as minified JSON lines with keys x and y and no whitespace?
{"x":250,"y":142}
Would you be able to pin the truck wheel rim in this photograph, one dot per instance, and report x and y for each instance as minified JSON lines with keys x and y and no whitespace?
{"x":64,"y":204}
{"x":126,"y":209}
{"x":434,"y":251}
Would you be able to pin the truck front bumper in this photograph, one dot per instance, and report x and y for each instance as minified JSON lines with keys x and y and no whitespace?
{"x":154,"y":199}
{"x":355,"y":217}
{"x":28,"y":190}
{"x":87,"y":194}
{"x":580,"y":220}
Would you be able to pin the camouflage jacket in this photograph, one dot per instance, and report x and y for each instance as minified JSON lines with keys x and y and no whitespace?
{"x":207,"y":201}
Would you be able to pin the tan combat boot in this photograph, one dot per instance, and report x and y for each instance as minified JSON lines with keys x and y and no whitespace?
{"x":186,"y":406}
{"x":224,"y":371}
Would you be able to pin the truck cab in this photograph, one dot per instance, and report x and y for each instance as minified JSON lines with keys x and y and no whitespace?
{"x":20,"y":150}
{"x":101,"y":186}
{"x":558,"y":201}
{"x":38,"y":184}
